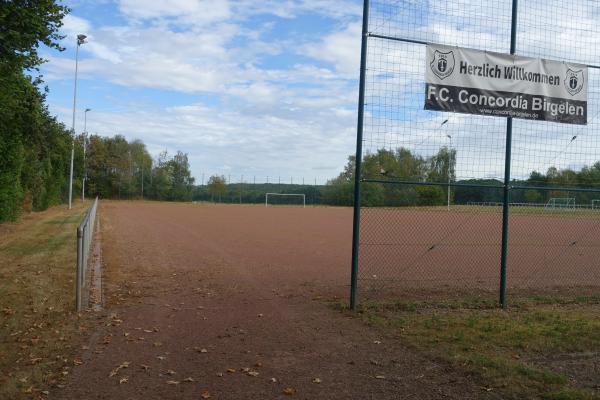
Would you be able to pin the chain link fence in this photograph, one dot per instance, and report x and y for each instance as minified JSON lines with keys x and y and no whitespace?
{"x":85,"y":238}
{"x":430,"y":217}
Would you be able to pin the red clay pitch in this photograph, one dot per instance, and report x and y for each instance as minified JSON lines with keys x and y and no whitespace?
{"x":230,"y":301}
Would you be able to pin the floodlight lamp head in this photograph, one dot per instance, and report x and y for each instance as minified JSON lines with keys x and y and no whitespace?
{"x":88,"y":109}
{"x":81,"y":39}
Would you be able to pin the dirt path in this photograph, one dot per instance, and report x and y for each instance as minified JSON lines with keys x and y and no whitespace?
{"x":234,"y":298}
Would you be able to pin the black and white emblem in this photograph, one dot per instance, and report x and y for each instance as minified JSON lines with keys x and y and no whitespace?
{"x":442,"y":64}
{"x":574,"y":81}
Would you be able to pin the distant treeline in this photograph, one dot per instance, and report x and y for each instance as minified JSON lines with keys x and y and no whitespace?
{"x":249,"y":193}
{"x":403,"y":165}
{"x":118,"y":169}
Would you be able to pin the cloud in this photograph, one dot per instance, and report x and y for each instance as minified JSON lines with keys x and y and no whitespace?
{"x":293,"y":8}
{"x":197,"y":12}
{"x":73,"y":25}
{"x":308,"y":143}
{"x":341,"y":49}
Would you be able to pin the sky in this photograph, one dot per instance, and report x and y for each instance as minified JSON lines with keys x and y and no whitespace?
{"x":259,"y":88}
{"x":268,"y":89}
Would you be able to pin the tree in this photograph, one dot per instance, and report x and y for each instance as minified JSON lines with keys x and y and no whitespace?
{"x":216,"y":186}
{"x":32,"y":143}
{"x":24,"y":24}
{"x":181,"y":178}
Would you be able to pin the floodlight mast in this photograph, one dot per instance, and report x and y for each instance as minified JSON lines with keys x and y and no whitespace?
{"x":80,"y":40}
{"x":84,"y":150}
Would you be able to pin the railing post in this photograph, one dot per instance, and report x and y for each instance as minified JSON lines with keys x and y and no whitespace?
{"x":78,"y":278}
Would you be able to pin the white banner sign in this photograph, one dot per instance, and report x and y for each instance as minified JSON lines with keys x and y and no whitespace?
{"x":503,"y":85}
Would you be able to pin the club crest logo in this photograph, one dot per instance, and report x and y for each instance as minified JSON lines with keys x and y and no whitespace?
{"x":442,"y":64}
{"x":574,"y":81}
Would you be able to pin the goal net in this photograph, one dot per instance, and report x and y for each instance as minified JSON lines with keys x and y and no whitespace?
{"x":561,"y":202}
{"x":289,"y":199}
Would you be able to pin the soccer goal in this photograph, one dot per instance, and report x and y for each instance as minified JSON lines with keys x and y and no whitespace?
{"x":285,"y":198}
{"x":561,"y":202}
{"x":595,"y":204}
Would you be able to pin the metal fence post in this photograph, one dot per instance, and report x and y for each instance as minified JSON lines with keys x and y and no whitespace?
{"x":78,"y":278}
{"x":358,"y":156}
{"x":507,"y":161}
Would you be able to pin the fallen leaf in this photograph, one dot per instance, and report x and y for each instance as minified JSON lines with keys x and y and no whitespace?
{"x":377,"y":342}
{"x":189,"y":379}
{"x":145,"y":367}
{"x":317,"y":380}
{"x":246,"y":369}
{"x":171,"y":372}
{"x":219,"y":374}
{"x":231,"y":370}
{"x":157,"y":344}
{"x":172,"y":382}
{"x":123,"y":380}
{"x":289,"y":391}
{"x":274,"y":380}
{"x":205,"y":394}
{"x":161,"y":358}
{"x":379,"y":376}
{"x":260,"y":315}
{"x":253,"y":373}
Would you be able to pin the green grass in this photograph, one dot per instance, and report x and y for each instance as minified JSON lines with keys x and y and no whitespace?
{"x":39,"y":330}
{"x":510,"y":352}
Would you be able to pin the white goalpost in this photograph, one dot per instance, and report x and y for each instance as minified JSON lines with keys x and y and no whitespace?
{"x":561,"y":202}
{"x":285,"y":195}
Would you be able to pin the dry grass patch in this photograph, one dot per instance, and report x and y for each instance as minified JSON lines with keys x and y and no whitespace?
{"x":541,"y":348}
{"x":39,"y":329}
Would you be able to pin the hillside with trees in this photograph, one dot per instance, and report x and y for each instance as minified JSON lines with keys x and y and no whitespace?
{"x":403,"y":165}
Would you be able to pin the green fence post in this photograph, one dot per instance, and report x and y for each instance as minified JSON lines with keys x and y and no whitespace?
{"x":358,"y":159}
{"x":507,"y":161}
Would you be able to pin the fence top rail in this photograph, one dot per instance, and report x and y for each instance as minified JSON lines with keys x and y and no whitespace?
{"x":86,"y":219}
{"x":422,"y":42}
{"x":286,"y":194}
